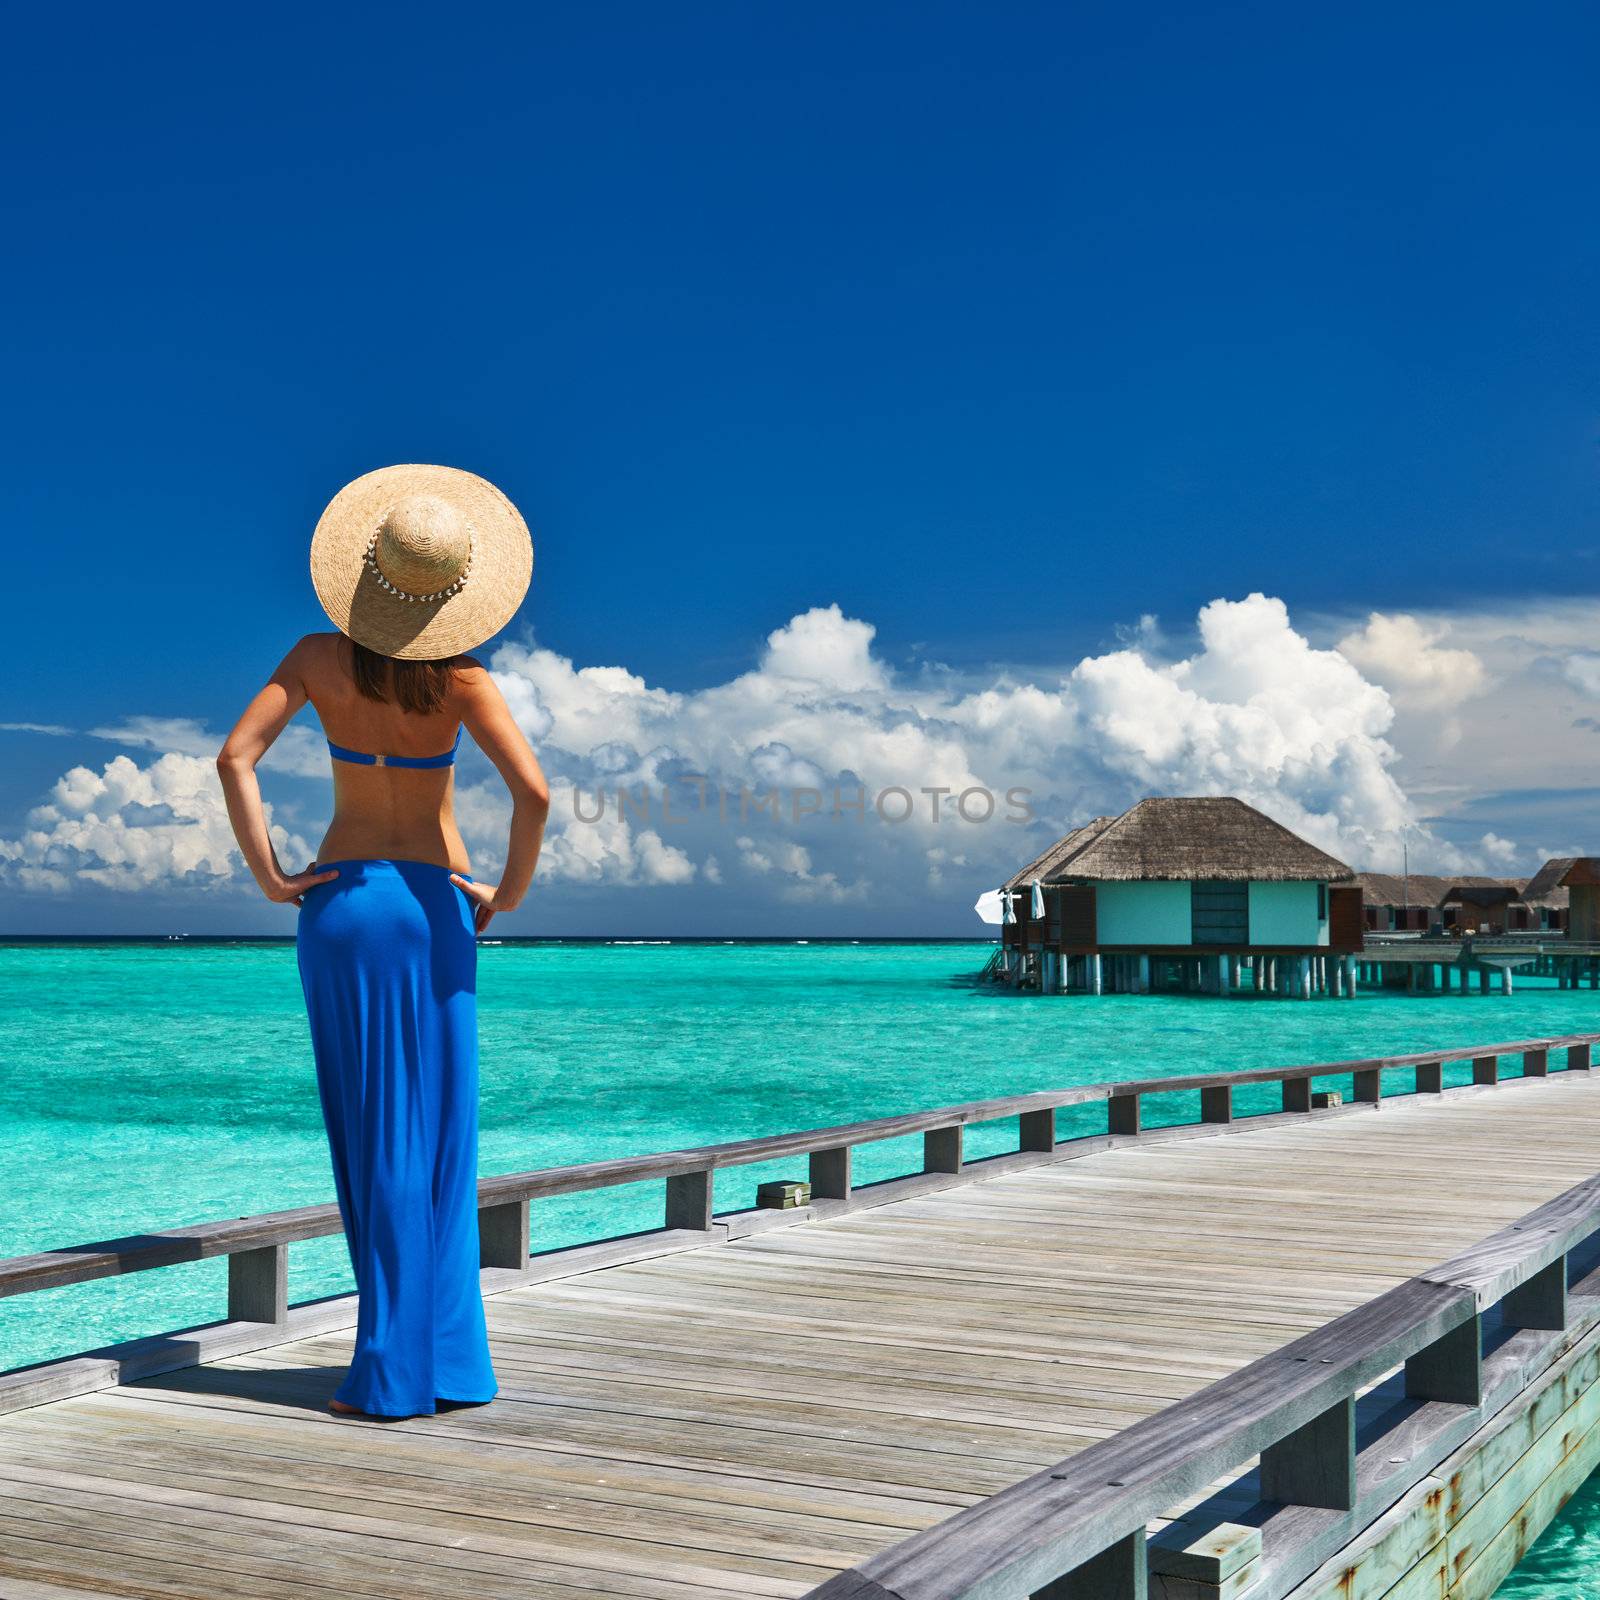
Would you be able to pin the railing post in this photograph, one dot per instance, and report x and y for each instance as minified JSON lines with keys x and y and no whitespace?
{"x":1369,"y":1086}
{"x":1296,"y":1094}
{"x":1037,"y":1130}
{"x":1120,"y":1572}
{"x":1486,"y":1069}
{"x":1577,"y":1058}
{"x":503,"y":1235}
{"x":689,"y":1201}
{"x":1216,"y":1104}
{"x":1430,"y":1077}
{"x":1451,"y":1368}
{"x":1122,"y":1113}
{"x":258,"y":1285}
{"x":941,"y":1149}
{"x":1316,"y":1464}
{"x":1535,"y":1063}
{"x":830,"y":1173}
{"x":1540,"y":1301}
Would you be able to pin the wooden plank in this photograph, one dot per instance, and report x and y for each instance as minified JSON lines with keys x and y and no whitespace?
{"x":1036,"y":1130}
{"x":941,"y":1149}
{"x":503,"y":1235}
{"x":1120,"y":1572}
{"x":776,"y":1397}
{"x":1122,"y":1115}
{"x":1315,"y":1465}
{"x":1540,"y":1301}
{"x":1450,"y":1369}
{"x":689,"y":1201}
{"x":258,"y":1285}
{"x":830,"y":1172}
{"x":1496,"y":1265}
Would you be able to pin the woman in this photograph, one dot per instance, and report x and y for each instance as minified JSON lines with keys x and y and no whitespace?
{"x":414,"y":565}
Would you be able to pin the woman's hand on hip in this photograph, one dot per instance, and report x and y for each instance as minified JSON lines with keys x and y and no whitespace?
{"x":292,"y":888}
{"x":484,"y":898}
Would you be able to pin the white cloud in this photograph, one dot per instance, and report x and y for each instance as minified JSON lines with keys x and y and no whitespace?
{"x":1403,"y":652}
{"x":799,"y":882}
{"x":1504,"y":852}
{"x":1256,"y":710}
{"x":128,"y":827}
{"x":607,"y":850}
{"x":180,"y":735}
{"x":826,"y":648}
{"x":1516,"y":736}
{"x":1582,"y":670}
{"x":1253,"y":706}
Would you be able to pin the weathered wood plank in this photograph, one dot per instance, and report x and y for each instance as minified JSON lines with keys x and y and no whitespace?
{"x":806,"y":1397}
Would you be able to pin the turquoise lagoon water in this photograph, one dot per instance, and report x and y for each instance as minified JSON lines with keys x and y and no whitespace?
{"x":1564,"y":1563}
{"x":149,"y":1086}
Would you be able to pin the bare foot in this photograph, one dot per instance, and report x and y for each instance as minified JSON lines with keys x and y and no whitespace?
{"x":339,"y":1408}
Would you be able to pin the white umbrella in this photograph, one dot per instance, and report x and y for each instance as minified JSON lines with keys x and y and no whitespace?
{"x":991,"y":906}
{"x":1038,"y":901}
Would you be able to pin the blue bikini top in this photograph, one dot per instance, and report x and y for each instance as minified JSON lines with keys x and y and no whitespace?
{"x":339,"y":753}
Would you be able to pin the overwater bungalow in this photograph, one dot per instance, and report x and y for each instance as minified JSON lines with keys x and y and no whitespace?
{"x":1405,"y":903}
{"x":1548,"y":893}
{"x":1421,"y":902}
{"x":1204,"y":894}
{"x":1508,"y":905}
{"x":1580,"y":881}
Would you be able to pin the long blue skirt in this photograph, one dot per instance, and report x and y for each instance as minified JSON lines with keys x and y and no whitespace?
{"x":388,"y":961}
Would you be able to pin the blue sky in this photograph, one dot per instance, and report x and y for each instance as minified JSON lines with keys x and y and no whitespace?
{"x":997,"y":328}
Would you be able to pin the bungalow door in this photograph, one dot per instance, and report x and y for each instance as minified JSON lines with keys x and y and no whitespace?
{"x":1345,"y":920}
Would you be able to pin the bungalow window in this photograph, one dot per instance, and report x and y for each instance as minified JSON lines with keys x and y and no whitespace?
{"x":1322,"y":902}
{"x":1219,"y":912}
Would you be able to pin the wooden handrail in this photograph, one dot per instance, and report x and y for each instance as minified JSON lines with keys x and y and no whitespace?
{"x":1085,"y":1518}
{"x":274,"y":1230}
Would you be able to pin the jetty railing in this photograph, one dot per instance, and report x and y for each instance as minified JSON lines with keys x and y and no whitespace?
{"x":256,"y":1247}
{"x":1079,"y":1528}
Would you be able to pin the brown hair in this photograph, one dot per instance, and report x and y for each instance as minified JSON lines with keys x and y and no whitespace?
{"x":412,"y":685}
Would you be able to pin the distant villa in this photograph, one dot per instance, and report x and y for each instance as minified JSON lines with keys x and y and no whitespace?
{"x":1423,"y":902}
{"x":1206,"y":895}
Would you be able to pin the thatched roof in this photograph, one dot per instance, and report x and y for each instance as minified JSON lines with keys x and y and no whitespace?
{"x":1205,"y":837}
{"x":1548,"y":886}
{"x":1494,"y":892}
{"x":1057,"y":853}
{"x":1429,"y":889}
{"x":1583,"y":872}
{"x":1393,"y":889}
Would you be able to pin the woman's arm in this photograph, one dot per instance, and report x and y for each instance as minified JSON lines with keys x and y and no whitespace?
{"x":264,"y":719}
{"x":488,"y":719}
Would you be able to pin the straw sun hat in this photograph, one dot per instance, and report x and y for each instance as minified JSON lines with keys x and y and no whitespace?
{"x":420,"y":562}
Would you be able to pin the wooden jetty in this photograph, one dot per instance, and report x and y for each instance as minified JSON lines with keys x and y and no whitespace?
{"x":1348,"y":1348}
{"x":1438,"y":965}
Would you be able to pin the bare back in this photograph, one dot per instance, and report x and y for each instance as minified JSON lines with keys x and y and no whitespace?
{"x":383,"y":812}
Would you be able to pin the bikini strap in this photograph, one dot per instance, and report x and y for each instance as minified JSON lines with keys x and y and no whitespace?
{"x":362,"y":758}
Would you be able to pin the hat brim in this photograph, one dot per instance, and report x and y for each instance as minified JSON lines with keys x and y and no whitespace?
{"x":358,"y":605}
